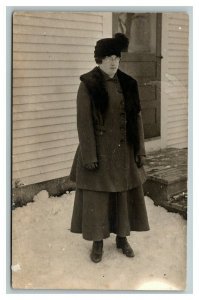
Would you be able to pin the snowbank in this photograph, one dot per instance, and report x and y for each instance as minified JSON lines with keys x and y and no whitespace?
{"x":46,"y":255}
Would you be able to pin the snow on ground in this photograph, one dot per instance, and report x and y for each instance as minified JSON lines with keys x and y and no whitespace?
{"x":46,"y":255}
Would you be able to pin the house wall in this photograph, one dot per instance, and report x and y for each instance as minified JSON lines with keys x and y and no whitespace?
{"x":50,"y":51}
{"x":174,"y":80}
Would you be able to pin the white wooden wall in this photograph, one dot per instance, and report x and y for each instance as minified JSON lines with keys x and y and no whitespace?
{"x":174,"y":84}
{"x":50,"y":51}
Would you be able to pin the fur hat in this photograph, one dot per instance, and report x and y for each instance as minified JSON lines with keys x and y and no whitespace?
{"x":111,"y":46}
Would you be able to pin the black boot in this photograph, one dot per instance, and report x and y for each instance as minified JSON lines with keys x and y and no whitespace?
{"x":97,"y":251}
{"x":123,"y":244}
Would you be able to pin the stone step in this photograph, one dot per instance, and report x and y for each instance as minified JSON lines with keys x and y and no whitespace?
{"x":166,"y":181}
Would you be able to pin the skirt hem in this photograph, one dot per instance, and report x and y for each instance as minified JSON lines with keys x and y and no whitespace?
{"x":105,"y":236}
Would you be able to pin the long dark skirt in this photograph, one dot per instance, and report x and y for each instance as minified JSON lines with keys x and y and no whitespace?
{"x":97,"y":214}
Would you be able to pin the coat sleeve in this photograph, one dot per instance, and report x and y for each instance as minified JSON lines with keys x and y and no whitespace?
{"x":141,"y":150}
{"x":85,"y":126}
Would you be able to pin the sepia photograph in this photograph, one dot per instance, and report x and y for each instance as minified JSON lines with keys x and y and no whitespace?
{"x":99,"y":150}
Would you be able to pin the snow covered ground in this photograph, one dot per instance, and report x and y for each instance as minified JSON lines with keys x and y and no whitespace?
{"x":46,"y":255}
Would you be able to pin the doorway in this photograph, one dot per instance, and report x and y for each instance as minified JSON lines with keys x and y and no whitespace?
{"x":143,"y":62}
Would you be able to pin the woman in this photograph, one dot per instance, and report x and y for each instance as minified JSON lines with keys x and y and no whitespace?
{"x":108,"y":165}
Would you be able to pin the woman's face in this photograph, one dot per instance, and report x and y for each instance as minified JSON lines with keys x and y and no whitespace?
{"x":110,"y":64}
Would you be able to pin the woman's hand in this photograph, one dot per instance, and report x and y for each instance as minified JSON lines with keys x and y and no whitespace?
{"x":140,"y":160}
{"x":91,"y":166}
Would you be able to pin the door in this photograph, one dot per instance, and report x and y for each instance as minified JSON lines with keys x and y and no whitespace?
{"x":143,"y":62}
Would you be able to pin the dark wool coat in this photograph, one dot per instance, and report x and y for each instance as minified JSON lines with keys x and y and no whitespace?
{"x":110,"y":132}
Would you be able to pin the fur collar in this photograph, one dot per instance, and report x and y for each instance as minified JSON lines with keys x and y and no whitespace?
{"x":94,"y":81}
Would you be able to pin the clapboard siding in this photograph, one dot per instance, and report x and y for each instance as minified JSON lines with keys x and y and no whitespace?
{"x":177,"y":124}
{"x":176,"y":130}
{"x":57,"y":132}
{"x":175,"y":106}
{"x":41,"y":153}
{"x":45,"y":145}
{"x":42,"y":81}
{"x":83,"y":16}
{"x":175,"y":36}
{"x":44,"y":114}
{"x":42,"y":166}
{"x":41,"y":90}
{"x":49,"y":31}
{"x":30,"y":132}
{"x":43,"y":162}
{"x":55,"y":56}
{"x":25,"y":38}
{"x":59,"y":172}
{"x":37,"y":65}
{"x":45,"y":121}
{"x":43,"y":106}
{"x":44,"y":48}
{"x":56,"y":23}
{"x":36,"y":99}
{"x":50,"y":51}
{"x":45,"y":73}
